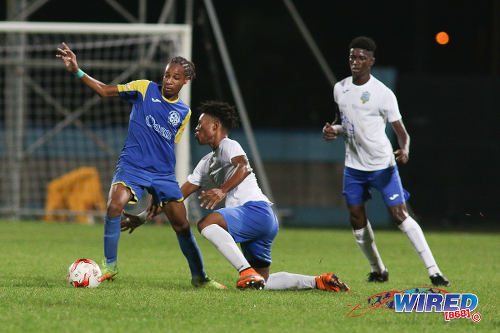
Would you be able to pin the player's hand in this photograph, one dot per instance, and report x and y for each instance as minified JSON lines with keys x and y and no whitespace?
{"x":68,"y":57}
{"x":152,"y":210}
{"x":211,"y":198}
{"x":329,"y":132}
{"x":401,"y":156}
{"x":131,"y":223}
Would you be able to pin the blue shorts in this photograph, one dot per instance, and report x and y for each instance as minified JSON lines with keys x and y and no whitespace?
{"x":254,"y":225}
{"x":163,"y":188}
{"x":357,"y":185}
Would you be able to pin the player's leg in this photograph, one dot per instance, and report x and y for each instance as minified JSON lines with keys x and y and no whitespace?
{"x":126,"y":187}
{"x":264,"y":227}
{"x":119,"y":196}
{"x":395,"y":197}
{"x":356,"y":192}
{"x":166,"y":191}
{"x":258,"y":254}
{"x":416,"y":237}
{"x":176,"y":214}
{"x":247,"y":223}
{"x":363,"y":234}
{"x":291,"y":281}
{"x":214,"y":228}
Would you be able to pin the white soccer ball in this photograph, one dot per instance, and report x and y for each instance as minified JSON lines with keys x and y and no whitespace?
{"x":84,"y":273}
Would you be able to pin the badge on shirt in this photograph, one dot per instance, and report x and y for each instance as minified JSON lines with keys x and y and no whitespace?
{"x":365,"y":97}
{"x":174,"y":118}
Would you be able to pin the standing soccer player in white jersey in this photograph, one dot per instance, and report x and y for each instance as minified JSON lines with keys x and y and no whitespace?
{"x":224,"y":176}
{"x":147,"y":160}
{"x":365,"y":105}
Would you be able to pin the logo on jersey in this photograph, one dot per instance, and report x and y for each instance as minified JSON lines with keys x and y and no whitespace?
{"x":365,"y":97}
{"x":151,"y":122}
{"x":174,"y":118}
{"x":394,"y":196}
{"x":155,"y":100}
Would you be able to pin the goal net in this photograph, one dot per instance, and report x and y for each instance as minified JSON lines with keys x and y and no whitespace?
{"x":59,"y":141}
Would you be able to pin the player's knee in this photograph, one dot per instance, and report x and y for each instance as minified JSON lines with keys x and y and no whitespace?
{"x":357,"y":224}
{"x":357,"y":221}
{"x":202,"y":224}
{"x":180,"y":226}
{"x":114,"y":208}
{"x":214,"y":218}
{"x":399,"y":218}
{"x":399,"y":213}
{"x":208,"y":220}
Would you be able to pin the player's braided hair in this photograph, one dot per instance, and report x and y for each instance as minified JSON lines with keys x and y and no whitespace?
{"x":363,"y":42}
{"x":223,"y":111}
{"x":189,"y":69}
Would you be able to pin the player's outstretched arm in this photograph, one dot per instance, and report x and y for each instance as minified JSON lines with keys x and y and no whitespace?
{"x":402,"y":154}
{"x":69,"y":58}
{"x":187,"y":189}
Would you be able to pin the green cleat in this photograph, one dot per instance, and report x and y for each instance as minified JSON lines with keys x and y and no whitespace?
{"x":206,"y":282}
{"x":108,"y":272}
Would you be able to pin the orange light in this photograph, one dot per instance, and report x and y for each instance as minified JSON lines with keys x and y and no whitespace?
{"x":442,"y":38}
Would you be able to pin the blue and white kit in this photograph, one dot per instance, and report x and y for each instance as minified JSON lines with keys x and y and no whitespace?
{"x":248,"y":214}
{"x":148,"y":156}
{"x":369,"y":161}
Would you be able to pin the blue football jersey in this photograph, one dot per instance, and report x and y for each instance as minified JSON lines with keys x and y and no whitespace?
{"x":155,"y":125}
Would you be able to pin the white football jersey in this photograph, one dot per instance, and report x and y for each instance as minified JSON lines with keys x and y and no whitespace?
{"x":364,"y":111}
{"x":215,"y":168}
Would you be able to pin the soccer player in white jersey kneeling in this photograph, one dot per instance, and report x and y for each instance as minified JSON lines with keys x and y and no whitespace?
{"x":365,"y":105}
{"x":225,"y":176}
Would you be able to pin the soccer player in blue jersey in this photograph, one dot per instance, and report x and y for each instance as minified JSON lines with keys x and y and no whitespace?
{"x":147,"y":160}
{"x":225,"y":177}
{"x":366,"y":105}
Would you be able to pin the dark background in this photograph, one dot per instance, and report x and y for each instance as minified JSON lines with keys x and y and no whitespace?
{"x":448,"y":95}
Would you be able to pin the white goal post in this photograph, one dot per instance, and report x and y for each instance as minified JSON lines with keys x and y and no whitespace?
{"x":52,"y":125}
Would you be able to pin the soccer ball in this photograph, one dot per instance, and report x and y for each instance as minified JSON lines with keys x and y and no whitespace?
{"x":84,"y":273}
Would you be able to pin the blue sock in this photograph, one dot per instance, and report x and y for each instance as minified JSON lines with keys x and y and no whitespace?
{"x":111,"y":237}
{"x":192,"y":253}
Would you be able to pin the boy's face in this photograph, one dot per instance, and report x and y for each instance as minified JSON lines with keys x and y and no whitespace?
{"x":173,"y":80}
{"x":206,"y":129}
{"x":360,"y":61}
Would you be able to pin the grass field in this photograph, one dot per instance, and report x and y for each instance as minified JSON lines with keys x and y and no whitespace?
{"x":152,"y":292}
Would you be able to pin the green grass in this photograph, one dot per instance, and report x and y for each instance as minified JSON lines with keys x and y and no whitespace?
{"x":153,"y":293}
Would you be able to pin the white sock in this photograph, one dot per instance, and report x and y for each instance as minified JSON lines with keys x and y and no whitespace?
{"x":224,"y":242}
{"x":411,"y":228}
{"x":365,"y":239}
{"x":290,"y":281}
